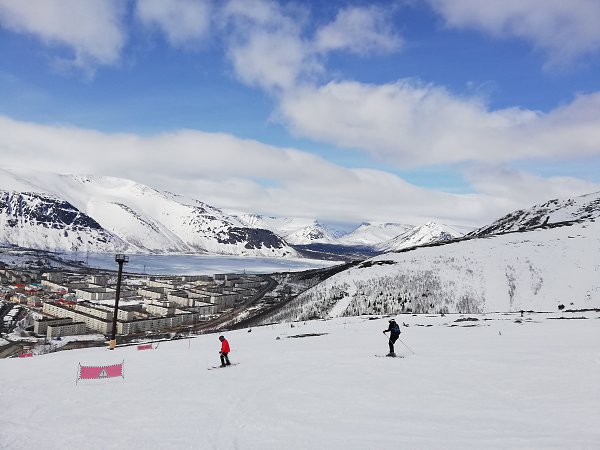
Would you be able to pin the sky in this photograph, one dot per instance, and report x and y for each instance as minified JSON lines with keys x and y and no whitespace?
{"x":457,"y":111}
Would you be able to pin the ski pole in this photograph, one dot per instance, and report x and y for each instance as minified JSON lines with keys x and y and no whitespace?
{"x":406,"y":346}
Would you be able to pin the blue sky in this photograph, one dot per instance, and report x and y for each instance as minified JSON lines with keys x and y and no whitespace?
{"x":347,"y":111}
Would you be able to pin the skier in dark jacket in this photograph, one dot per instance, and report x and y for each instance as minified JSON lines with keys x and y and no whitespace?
{"x":224,"y":352}
{"x":394,"y":330}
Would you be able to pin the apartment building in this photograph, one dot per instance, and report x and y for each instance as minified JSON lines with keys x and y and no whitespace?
{"x":157,"y":308}
{"x":157,"y":323}
{"x":41,"y":326}
{"x":95,"y":293}
{"x":153,"y":292}
{"x":97,"y":323}
{"x":180,"y":298}
{"x":204,"y":308}
{"x":67,"y":329}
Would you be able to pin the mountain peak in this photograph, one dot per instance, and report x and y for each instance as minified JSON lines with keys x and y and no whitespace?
{"x":553,"y":213}
{"x":427,"y":233}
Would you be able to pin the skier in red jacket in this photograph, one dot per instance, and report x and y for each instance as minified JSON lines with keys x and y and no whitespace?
{"x":224,"y":351}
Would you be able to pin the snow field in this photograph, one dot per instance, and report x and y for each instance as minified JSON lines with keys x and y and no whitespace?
{"x":481,"y":384}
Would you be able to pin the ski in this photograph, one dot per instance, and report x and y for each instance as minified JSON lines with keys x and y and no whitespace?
{"x":222,"y":367}
{"x":386,"y":356}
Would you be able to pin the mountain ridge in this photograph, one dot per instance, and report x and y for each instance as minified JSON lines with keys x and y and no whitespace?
{"x":133,"y":217}
{"x":429,"y":233}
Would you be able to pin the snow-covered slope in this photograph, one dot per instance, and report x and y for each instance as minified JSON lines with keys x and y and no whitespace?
{"x":552,"y":213}
{"x":425,"y":234}
{"x":313,"y":233}
{"x":44,"y":221}
{"x":282,"y":226}
{"x":554,"y":262}
{"x":538,"y":270}
{"x":294,"y":230}
{"x":146,"y":219}
{"x":486,"y":384}
{"x":371,"y":234}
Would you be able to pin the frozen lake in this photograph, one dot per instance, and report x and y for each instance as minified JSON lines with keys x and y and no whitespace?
{"x":200,"y":264}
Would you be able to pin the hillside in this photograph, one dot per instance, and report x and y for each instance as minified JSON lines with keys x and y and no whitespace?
{"x":46,"y":222}
{"x":538,"y":270}
{"x":557,"y":212}
{"x":129,"y":216}
{"x":428,"y":233}
{"x":490,"y":383}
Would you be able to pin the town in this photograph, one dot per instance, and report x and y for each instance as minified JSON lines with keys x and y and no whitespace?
{"x":40,"y":308}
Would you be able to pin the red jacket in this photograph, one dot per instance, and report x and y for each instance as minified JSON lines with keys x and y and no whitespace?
{"x":225,"y":346}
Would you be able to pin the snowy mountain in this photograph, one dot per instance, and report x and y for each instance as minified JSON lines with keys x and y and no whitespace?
{"x":294,"y":230}
{"x":282,"y":226}
{"x":313,"y":233}
{"x":371,"y":234}
{"x":552,"y":213}
{"x":46,"y":222}
{"x":425,"y":234}
{"x":127,"y":216}
{"x":539,"y":269}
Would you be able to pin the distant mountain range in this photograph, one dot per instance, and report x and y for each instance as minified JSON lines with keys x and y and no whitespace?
{"x":373,"y":234}
{"x":295,"y":231}
{"x":100,"y":214}
{"x":104,"y":214}
{"x":544,"y":258}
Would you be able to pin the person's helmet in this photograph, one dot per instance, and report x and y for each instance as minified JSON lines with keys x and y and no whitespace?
{"x":392,"y":320}
{"x":221,"y":338}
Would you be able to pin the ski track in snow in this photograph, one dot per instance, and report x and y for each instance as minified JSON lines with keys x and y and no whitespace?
{"x":480,"y":384}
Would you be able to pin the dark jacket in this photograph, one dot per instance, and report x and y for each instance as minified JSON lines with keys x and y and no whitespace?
{"x":394,"y":329}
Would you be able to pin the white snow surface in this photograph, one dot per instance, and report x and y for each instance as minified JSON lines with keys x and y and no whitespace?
{"x":490,"y":384}
{"x":369,"y":234}
{"x":425,"y":234}
{"x":537,"y":270}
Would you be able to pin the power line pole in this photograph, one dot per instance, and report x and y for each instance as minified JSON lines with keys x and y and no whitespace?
{"x":120,"y":259}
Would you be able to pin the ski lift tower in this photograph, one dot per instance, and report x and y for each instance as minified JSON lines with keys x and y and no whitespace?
{"x":120,"y":259}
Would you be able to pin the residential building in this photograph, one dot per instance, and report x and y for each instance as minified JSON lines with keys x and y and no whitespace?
{"x":68,"y":329}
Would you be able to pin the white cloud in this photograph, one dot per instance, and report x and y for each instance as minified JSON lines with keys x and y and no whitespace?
{"x":563,"y":29}
{"x":408,"y":123}
{"x":518,"y":187}
{"x":250,"y":176}
{"x":271,"y":59}
{"x":182,"y":21}
{"x":92,"y":29}
{"x":359,"y":30}
{"x":265,"y":44}
{"x":271,"y":46}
